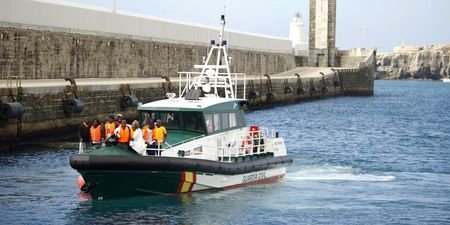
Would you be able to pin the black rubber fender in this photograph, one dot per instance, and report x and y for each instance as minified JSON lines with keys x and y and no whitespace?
{"x":253,"y":94}
{"x":270,"y":96}
{"x":288,"y":90}
{"x":73,"y":106}
{"x":300,"y":91}
{"x":129,"y":101}
{"x":161,"y":163}
{"x":11,"y":110}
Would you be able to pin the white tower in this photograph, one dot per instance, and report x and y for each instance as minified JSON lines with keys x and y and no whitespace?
{"x":297,"y":35}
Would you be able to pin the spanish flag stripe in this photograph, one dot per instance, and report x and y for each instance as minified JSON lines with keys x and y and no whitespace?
{"x":187,"y":182}
{"x":189,"y":177}
{"x":180,"y":186}
{"x":185,"y":187}
{"x":194,"y":179}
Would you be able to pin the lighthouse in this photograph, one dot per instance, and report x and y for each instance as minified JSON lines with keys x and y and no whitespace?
{"x":297,"y":35}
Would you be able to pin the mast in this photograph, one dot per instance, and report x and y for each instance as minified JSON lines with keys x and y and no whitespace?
{"x":215,"y":78}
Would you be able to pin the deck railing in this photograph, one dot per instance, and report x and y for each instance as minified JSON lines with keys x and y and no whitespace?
{"x":189,"y":80}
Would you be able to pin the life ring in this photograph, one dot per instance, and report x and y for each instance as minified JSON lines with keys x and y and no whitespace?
{"x":247,"y":144}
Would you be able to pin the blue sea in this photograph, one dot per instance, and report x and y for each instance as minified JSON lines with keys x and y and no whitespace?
{"x":383,"y":159}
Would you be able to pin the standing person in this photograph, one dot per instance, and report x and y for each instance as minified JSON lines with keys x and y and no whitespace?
{"x":119,"y":119}
{"x":152,"y":138}
{"x":84,"y":134}
{"x":160,"y":135}
{"x":137,"y":141}
{"x":96,"y":133}
{"x":147,"y":133}
{"x":110,"y":126}
{"x":123,"y":134}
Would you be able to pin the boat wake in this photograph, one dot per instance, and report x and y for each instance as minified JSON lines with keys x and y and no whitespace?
{"x":335,"y":173}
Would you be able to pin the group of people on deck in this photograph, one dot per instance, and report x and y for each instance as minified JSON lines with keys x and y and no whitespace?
{"x":117,"y":132}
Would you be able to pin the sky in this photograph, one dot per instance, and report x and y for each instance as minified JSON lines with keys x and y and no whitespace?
{"x":380,"y":24}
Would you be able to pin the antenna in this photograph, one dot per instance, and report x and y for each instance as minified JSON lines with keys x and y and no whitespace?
{"x":222,"y":27}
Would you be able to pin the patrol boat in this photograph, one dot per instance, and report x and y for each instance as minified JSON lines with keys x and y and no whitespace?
{"x":208,"y":144}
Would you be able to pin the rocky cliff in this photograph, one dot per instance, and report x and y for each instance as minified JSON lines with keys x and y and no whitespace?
{"x":412,"y":62}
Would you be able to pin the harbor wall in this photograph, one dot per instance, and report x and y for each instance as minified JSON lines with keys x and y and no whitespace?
{"x":68,"y":17}
{"x":41,"y":54}
{"x":45,"y":117}
{"x":39,"y":39}
{"x":359,"y":80}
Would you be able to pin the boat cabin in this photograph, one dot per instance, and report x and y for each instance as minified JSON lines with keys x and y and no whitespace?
{"x":187,"y":120}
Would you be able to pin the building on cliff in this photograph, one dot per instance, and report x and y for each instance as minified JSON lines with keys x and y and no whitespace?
{"x":415,"y":62}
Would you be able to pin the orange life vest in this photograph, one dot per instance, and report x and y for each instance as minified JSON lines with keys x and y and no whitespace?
{"x":96,"y":134}
{"x":109,"y":128}
{"x":145,"y":133}
{"x":124,"y":134}
{"x":154,"y":133}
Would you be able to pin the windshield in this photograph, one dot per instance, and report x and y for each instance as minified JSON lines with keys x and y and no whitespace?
{"x":189,"y":121}
{"x":170,"y":120}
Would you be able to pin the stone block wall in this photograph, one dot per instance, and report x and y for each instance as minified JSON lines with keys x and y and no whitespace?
{"x":351,"y":61}
{"x":45,"y":117}
{"x":356,"y":82}
{"x":359,"y":81}
{"x":41,"y":54}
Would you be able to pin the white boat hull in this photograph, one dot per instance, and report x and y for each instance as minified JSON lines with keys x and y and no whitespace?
{"x":204,"y":181}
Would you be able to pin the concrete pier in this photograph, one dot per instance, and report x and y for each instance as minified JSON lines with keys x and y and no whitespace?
{"x":112,"y":55}
{"x":43,"y":99}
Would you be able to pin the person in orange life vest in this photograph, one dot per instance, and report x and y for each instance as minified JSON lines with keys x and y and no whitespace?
{"x":84,"y":132}
{"x":110,"y":126}
{"x":96,"y":133}
{"x":151,"y":142}
{"x":119,"y":119}
{"x":160,"y":134}
{"x":147,"y":132}
{"x":123,"y":134}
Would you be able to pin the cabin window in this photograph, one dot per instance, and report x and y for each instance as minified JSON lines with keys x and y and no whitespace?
{"x":147,"y":117}
{"x":232,"y":119}
{"x":170,"y":120}
{"x":217,"y":122}
{"x":209,"y":122}
{"x":221,"y":121}
{"x":193,"y":121}
{"x":241,"y":118}
{"x":224,"y":120}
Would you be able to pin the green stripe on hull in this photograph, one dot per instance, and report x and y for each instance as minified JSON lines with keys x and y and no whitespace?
{"x":119,"y":184}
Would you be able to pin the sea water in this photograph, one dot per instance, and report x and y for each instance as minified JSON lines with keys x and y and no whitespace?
{"x":357,"y":160}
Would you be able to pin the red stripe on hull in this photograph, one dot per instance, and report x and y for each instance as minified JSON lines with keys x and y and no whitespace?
{"x":183,"y":177}
{"x":194,"y":180}
{"x":267,"y":180}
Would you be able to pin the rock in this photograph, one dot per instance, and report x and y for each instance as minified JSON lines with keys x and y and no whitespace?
{"x":412,"y":62}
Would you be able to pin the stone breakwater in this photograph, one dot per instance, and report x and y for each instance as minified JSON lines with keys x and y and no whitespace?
{"x":415,"y":62}
{"x":45,"y":117}
{"x":42,"y":54}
